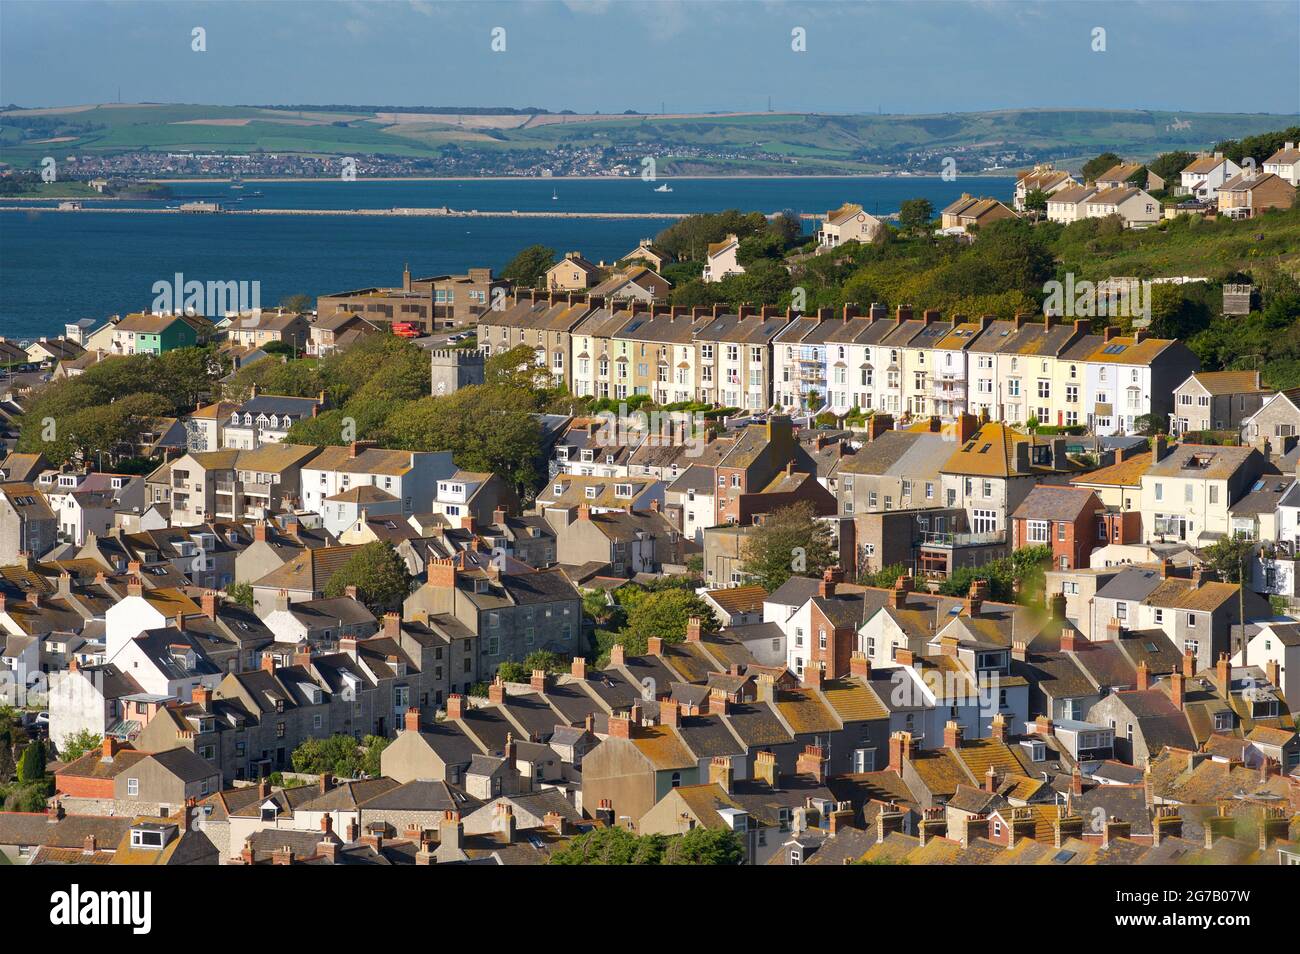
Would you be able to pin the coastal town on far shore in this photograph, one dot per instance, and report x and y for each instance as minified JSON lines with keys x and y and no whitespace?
{"x":721,"y":552}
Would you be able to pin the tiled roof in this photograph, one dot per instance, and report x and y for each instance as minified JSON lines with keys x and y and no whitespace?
{"x":1230,"y":382}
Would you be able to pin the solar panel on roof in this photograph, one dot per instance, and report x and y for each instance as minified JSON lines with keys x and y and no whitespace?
{"x":1061,"y":857}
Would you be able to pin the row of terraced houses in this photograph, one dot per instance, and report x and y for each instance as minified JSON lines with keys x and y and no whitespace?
{"x":905,"y":364}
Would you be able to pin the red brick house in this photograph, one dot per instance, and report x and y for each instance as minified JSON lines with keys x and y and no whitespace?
{"x":93,"y":774}
{"x":1063,"y":518}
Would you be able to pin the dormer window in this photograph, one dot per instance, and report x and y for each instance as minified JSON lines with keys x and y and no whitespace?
{"x":151,"y":835}
{"x":591,"y":493}
{"x":269,"y":811}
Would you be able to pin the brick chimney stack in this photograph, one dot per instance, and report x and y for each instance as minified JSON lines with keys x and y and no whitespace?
{"x":693,"y":629}
{"x":860,"y":665}
{"x":412,"y":719}
{"x":669,"y":713}
{"x":1177,"y":689}
{"x":620,"y":727}
{"x":455,"y":706}
{"x":826,"y":586}
{"x":812,"y":761}
{"x":952,"y":733}
{"x":721,"y":772}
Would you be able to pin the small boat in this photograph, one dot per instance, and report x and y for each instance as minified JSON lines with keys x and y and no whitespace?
{"x":554,"y":194}
{"x":664,"y":188}
{"x":236,"y":183}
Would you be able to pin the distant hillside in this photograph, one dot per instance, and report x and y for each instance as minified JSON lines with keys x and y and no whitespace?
{"x":736,"y":142}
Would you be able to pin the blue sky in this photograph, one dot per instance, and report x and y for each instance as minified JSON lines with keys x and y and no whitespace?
{"x":904,"y":56}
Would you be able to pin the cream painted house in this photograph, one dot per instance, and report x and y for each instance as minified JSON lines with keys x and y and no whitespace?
{"x":1135,"y":206}
{"x":721,"y":260}
{"x":848,"y":223}
{"x":1067,"y":205}
{"x":1188,"y":490}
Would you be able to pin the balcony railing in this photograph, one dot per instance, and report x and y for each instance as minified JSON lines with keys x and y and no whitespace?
{"x":936,"y":538}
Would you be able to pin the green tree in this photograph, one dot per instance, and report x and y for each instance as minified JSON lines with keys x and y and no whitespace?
{"x":1150,"y":424}
{"x":528,"y":267}
{"x":618,"y":846}
{"x":665,"y":614}
{"x":705,"y":846}
{"x":241,"y":593}
{"x":1095,"y":167}
{"x":611,"y":846}
{"x":885,"y":577}
{"x":377,"y":572}
{"x":786,"y":226}
{"x":1169,"y":165}
{"x":1036,"y":200}
{"x":1230,"y":557}
{"x":31,"y":767}
{"x":915,"y":215}
{"x":754,"y":248}
{"x":515,"y":368}
{"x":511,"y":671}
{"x":77,"y":744}
{"x":688,"y":239}
{"x":298,"y":304}
{"x":792,"y":541}
{"x":335,"y":755}
{"x":374,"y":746}
{"x":487,"y":428}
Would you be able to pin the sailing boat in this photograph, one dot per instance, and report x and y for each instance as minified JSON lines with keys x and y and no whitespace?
{"x":554,"y":194}
{"x":236,"y":182}
{"x":664,"y":188}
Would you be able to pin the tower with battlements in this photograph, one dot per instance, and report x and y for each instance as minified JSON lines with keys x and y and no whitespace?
{"x":454,"y":368}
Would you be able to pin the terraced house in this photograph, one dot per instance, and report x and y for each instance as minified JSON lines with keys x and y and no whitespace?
{"x":735,"y":357}
{"x":153,"y":334}
{"x":661,"y":353}
{"x":496,"y":616}
{"x":597,"y":368}
{"x":544,"y":322}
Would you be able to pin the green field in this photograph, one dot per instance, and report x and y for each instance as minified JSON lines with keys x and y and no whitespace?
{"x":831,"y":143}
